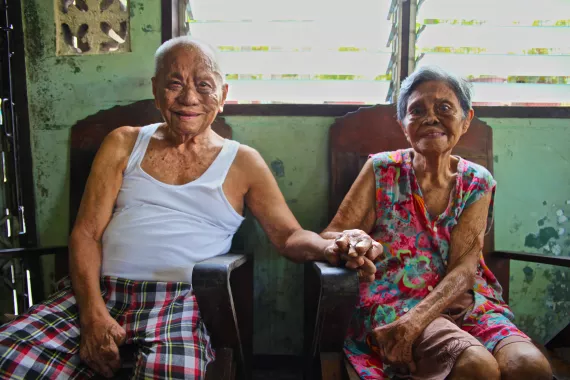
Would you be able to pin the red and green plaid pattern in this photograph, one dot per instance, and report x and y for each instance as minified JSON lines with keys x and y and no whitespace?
{"x":161,"y":319}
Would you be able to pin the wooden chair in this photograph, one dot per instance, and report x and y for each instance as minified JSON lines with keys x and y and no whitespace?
{"x":223,"y":285}
{"x":332,"y":293}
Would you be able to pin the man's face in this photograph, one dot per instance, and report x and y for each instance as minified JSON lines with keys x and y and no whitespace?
{"x":187,"y":90}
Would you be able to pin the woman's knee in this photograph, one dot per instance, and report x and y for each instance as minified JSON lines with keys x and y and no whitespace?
{"x":475,"y":363}
{"x":523,"y":360}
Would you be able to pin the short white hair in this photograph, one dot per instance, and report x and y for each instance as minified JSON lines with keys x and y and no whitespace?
{"x":188,"y":42}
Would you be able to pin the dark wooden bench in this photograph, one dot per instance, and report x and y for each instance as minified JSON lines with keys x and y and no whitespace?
{"x":332,"y":293}
{"x":223,"y":285}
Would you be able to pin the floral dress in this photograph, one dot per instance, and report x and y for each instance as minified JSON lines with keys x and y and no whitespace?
{"x":417,"y":249}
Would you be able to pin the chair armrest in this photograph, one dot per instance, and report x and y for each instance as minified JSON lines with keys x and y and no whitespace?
{"x":562,"y":261}
{"x":223,"y":286}
{"x":331,"y":294}
{"x":32,"y":252}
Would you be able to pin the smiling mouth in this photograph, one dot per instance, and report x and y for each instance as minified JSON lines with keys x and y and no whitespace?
{"x":187,"y":115}
{"x":434,"y":135}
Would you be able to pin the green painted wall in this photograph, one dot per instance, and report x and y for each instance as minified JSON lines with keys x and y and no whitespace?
{"x":296,"y":150}
{"x":532,"y":167}
{"x":64,"y":90}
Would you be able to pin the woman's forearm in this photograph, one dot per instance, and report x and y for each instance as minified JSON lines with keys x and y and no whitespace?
{"x":453,"y":285}
{"x":85,"y":272}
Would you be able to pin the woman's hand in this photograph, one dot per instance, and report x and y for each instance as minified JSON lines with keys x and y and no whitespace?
{"x":359,"y":251}
{"x":396,"y":340}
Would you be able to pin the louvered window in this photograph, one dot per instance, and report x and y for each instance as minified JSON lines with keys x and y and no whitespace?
{"x":516,"y":52}
{"x":300,"y":51}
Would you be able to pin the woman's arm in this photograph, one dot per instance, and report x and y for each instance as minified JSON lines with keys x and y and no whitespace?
{"x":466,"y":247}
{"x":358,"y":209}
{"x":396,"y":338}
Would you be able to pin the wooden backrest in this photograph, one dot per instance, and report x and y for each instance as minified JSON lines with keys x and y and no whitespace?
{"x":88,"y":134}
{"x":375,"y":129}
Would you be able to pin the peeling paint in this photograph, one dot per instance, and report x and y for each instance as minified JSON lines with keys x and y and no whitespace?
{"x":528,"y":274}
{"x":541,"y":239}
{"x":35,"y":47}
{"x":278,"y":168}
{"x":70,"y":62}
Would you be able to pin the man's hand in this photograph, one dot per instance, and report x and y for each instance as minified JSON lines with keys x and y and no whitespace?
{"x":359,"y":251}
{"x":395,"y":341}
{"x":99,"y":347}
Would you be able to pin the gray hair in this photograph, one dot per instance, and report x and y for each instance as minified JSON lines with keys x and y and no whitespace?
{"x":460,"y":87}
{"x":186,"y":41}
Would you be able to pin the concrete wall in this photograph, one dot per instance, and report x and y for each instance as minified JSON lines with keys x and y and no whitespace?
{"x":63,"y":90}
{"x":532,"y":167}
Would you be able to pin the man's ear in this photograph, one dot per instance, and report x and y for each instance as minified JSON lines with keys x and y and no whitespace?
{"x":225,"y":89}
{"x":154,"y":92}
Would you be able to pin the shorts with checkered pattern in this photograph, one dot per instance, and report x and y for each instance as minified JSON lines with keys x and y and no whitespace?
{"x":160,"y":318}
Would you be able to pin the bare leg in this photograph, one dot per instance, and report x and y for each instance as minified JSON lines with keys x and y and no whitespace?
{"x":475,"y":363}
{"x":522,"y":360}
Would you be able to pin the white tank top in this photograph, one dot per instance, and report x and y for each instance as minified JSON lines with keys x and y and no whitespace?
{"x":159,"y":231}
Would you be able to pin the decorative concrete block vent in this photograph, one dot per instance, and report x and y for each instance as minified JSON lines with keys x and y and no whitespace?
{"x":92,"y":27}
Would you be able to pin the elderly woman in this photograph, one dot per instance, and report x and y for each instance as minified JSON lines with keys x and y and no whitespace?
{"x":159,"y":199}
{"x":434,"y":310}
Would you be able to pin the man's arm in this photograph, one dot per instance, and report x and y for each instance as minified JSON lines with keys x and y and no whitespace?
{"x":268,"y":205}
{"x":94,"y":214}
{"x":93,"y":217}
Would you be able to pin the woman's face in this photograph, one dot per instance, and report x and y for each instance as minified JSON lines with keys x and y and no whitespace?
{"x":434,"y":120}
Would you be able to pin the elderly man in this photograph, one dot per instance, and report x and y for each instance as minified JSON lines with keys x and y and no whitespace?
{"x":159,"y":199}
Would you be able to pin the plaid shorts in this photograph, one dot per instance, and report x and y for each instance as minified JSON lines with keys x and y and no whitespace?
{"x":161,"y":319}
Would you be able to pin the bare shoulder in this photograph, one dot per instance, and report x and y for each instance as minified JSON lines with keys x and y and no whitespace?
{"x":248,"y":158}
{"x":118,"y":145}
{"x":121,"y":140}
{"x":122,"y":137}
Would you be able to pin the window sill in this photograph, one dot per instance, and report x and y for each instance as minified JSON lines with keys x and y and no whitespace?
{"x":337,"y":110}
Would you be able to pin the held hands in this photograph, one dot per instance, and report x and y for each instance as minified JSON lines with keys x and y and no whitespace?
{"x":99,"y":347}
{"x":359,"y":251}
{"x":395,"y":341}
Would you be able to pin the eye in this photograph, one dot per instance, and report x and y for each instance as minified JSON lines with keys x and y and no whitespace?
{"x":414,"y":111}
{"x":445,"y":107}
{"x":174,"y":85}
{"x":204,"y":84}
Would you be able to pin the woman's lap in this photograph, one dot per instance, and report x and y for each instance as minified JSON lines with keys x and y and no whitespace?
{"x":441,"y":343}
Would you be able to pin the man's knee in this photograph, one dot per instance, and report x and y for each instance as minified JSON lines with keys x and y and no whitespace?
{"x":474,"y":363}
{"x":523,"y":361}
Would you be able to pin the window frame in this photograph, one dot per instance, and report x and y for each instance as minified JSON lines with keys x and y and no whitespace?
{"x":170,"y":17}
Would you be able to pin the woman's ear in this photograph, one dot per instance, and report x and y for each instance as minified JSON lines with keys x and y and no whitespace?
{"x":467,"y":121}
{"x":405,"y":131}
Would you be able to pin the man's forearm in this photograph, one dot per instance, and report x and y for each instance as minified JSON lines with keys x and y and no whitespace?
{"x":453,"y":285}
{"x":85,"y":273}
{"x":304,"y":246}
